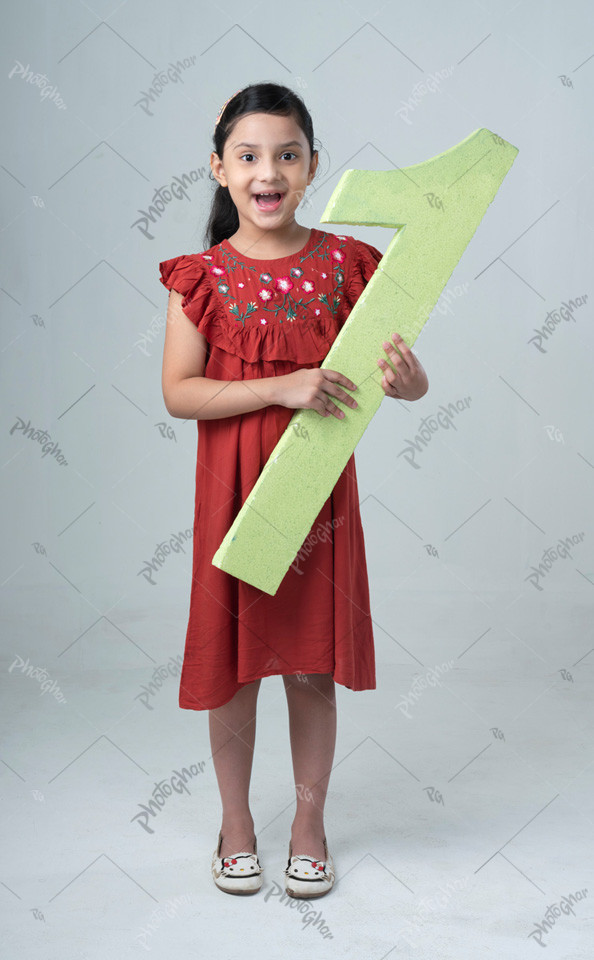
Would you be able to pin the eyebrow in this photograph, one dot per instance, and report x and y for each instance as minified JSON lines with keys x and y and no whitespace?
{"x":254,"y":146}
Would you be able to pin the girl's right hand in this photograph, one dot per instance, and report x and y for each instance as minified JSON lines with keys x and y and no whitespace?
{"x":313,"y":388}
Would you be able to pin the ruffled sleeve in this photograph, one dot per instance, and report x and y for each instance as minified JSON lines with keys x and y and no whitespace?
{"x":189,"y":275}
{"x":304,"y":343}
{"x":362,"y":267}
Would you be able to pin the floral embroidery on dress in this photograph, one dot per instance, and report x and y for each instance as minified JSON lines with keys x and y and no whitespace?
{"x":287,"y":296}
{"x":251,"y":308}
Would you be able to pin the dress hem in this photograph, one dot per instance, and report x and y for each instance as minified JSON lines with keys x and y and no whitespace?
{"x":186,"y":705}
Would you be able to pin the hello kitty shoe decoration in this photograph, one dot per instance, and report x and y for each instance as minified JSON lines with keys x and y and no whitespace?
{"x":306,"y":877}
{"x":239,"y":873}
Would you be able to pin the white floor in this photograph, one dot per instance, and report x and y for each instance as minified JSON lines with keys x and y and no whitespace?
{"x":458,"y":820}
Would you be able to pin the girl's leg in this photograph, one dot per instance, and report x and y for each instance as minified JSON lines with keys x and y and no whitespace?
{"x":311,"y":700}
{"x":232,"y":736}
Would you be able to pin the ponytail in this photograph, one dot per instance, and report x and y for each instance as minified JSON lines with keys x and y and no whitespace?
{"x":224,"y":219}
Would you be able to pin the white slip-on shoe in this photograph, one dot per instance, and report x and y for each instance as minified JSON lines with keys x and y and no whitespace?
{"x":306,"y":877}
{"x":239,"y":873}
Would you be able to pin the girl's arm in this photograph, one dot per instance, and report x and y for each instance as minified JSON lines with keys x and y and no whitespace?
{"x":190,"y":395}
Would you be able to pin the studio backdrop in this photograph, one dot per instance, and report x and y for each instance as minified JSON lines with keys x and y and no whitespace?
{"x":476,"y":500}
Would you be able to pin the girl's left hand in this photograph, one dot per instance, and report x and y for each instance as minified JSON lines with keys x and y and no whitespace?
{"x":408,"y":380}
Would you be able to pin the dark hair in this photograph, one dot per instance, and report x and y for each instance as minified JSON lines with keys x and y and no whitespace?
{"x":273,"y":98}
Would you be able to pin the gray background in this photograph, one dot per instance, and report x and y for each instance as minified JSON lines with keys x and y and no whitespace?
{"x":457,"y":821}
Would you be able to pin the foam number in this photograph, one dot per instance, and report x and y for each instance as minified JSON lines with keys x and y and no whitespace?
{"x":435,"y":207}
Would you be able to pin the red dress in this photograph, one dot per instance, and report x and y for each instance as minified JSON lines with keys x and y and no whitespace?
{"x":265,"y":318}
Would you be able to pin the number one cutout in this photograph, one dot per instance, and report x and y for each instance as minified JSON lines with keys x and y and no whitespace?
{"x":435,"y":207}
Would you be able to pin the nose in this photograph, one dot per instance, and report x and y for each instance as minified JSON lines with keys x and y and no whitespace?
{"x":268,"y":171}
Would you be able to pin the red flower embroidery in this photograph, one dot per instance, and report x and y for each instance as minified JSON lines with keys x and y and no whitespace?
{"x":289,"y":297}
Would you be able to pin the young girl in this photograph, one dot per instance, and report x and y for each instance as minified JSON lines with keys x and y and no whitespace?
{"x":249,"y":322}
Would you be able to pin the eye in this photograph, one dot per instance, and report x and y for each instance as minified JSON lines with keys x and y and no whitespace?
{"x":287,"y":153}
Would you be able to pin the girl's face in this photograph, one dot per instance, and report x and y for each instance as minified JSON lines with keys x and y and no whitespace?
{"x":265,"y":154}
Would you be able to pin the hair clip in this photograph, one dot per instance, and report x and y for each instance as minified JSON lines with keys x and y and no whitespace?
{"x":224,"y":105}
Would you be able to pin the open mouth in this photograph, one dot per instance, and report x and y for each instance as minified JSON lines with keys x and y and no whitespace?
{"x":268,"y":201}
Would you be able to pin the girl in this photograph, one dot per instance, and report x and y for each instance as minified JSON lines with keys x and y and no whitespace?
{"x":249,"y":322}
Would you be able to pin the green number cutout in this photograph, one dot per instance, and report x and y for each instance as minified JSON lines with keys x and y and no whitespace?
{"x":436,"y":207}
